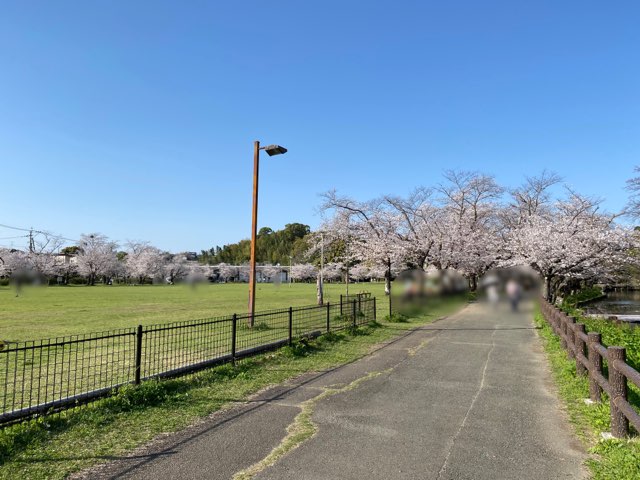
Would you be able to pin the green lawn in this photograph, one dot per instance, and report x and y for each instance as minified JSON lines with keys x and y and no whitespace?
{"x":56,"y":311}
{"x":54,"y":447}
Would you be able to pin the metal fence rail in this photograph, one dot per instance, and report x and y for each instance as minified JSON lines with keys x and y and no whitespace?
{"x":41,"y":377}
{"x":590,"y":356}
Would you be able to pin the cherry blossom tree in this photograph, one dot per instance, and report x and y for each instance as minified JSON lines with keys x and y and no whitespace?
{"x":333,"y":271}
{"x":360,"y":272}
{"x":303,"y":272}
{"x":144,"y":261}
{"x":227,"y":272}
{"x":175,"y":268}
{"x":633,"y":186}
{"x":369,"y":229}
{"x":569,"y":239}
{"x":96,"y":256}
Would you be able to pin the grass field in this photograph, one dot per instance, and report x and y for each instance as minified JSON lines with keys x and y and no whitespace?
{"x":56,"y":311}
{"x":54,"y":447}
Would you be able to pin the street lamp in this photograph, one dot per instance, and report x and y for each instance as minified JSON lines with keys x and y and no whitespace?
{"x":271,"y":151}
{"x":320,"y":286}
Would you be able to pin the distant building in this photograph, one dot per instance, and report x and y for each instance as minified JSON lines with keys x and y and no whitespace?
{"x":65,"y":259}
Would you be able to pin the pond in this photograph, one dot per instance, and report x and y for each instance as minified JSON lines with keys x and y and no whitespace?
{"x":624,"y":305}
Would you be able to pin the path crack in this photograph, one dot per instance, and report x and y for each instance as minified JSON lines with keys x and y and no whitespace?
{"x":301,"y":429}
{"x":473,"y":402}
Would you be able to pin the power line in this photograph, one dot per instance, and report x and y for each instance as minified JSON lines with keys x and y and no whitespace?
{"x":41,"y":232}
{"x":15,"y":228}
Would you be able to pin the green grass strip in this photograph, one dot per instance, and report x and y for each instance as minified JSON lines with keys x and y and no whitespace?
{"x":610,"y":459}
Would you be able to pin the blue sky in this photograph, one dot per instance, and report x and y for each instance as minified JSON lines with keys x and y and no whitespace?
{"x":136,"y":119}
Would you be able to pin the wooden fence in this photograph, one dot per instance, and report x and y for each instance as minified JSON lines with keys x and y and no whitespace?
{"x":590,"y":356}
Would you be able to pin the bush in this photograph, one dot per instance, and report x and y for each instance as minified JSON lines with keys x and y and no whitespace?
{"x":300,"y":347}
{"x":397,"y":318}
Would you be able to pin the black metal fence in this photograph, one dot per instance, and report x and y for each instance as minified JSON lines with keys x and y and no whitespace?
{"x":42,"y":377}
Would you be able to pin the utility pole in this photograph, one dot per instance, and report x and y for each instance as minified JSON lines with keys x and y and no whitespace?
{"x":321,"y":276}
{"x":32,"y":245}
{"x":346,"y":250}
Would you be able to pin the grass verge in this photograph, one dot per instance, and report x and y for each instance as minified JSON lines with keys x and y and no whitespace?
{"x":52,"y":448}
{"x":610,"y":459}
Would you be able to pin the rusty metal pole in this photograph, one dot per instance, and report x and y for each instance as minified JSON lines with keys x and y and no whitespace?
{"x":254,"y":233}
{"x":618,"y":383}
{"x":595,"y":367}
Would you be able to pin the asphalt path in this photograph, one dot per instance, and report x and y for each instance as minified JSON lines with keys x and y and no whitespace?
{"x":467,"y":397}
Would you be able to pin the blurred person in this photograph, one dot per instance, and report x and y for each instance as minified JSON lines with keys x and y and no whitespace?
{"x":514,"y":292}
{"x":490,"y":283}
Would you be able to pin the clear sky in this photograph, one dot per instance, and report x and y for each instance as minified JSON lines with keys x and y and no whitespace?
{"x":136,"y":118}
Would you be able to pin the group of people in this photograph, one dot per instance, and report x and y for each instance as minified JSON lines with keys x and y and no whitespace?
{"x":492,"y":286}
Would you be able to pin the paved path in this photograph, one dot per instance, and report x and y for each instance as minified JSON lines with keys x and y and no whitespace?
{"x":467,"y":397}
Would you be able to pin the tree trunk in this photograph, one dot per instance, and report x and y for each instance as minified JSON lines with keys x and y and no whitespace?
{"x":387,"y":280}
{"x":547,"y":288}
{"x":320,"y":291}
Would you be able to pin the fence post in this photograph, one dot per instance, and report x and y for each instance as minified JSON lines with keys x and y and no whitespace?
{"x":340,"y":304}
{"x":138,"y":364}
{"x":290,"y":325}
{"x":562,"y":330}
{"x":555,"y":320}
{"x":390,"y":308}
{"x":571,"y":337}
{"x":234,"y":328}
{"x":328,"y":317}
{"x":374,"y":309}
{"x":354,"y":312}
{"x":580,"y":350}
{"x":359,"y":297}
{"x":595,"y":366}
{"x":618,"y":383}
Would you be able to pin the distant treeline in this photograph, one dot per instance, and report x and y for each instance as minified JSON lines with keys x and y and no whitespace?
{"x":273,"y":247}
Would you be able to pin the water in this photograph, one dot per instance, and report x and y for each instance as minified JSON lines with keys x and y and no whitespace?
{"x":624,"y":305}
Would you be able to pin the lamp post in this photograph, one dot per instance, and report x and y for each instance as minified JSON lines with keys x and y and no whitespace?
{"x":271,"y":151}
{"x":320,"y":286}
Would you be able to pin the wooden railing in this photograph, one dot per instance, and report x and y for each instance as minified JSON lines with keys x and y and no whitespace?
{"x":589,"y":353}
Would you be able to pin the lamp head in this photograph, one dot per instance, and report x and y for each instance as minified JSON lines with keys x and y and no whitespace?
{"x":274,"y":150}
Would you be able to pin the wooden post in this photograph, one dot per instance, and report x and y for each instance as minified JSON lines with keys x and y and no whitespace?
{"x":580,"y":348}
{"x":563,"y":330}
{"x":618,"y":383}
{"x":570,"y":337}
{"x":595,"y":366}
